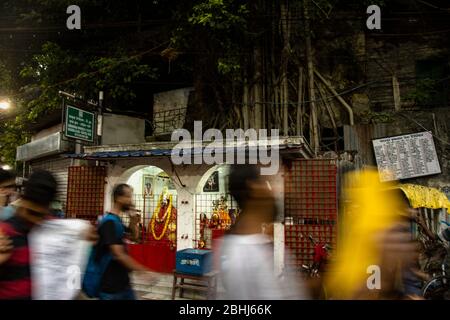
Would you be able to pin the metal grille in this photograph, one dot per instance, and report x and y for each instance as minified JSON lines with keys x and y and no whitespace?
{"x":167,"y":121}
{"x":85,"y":192}
{"x":146,"y":205}
{"x":204,"y":205}
{"x":59,"y":169}
{"x":310,"y":208}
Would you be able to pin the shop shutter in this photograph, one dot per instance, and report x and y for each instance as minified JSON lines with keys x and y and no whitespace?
{"x":59,"y":168}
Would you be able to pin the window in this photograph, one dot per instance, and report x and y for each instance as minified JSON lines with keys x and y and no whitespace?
{"x":432,"y":83}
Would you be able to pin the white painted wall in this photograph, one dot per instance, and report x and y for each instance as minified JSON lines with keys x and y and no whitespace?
{"x":136,"y":180}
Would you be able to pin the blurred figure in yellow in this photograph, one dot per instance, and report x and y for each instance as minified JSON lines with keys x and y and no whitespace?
{"x":375,"y":245}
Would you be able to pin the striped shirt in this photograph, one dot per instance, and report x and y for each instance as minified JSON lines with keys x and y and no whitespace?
{"x":15,"y":279}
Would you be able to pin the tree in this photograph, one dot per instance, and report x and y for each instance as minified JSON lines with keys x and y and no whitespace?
{"x":77,"y":62}
{"x":252,"y":63}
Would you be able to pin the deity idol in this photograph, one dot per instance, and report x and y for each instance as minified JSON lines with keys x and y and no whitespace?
{"x":163,"y":224}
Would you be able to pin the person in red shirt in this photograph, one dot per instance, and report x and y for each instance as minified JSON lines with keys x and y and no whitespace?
{"x":31,"y":209}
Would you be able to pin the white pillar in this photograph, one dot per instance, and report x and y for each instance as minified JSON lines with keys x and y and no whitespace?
{"x":185,"y":220}
{"x":278,"y":229}
{"x":279,"y":245}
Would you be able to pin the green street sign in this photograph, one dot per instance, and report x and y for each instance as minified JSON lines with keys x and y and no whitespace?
{"x":79,"y":124}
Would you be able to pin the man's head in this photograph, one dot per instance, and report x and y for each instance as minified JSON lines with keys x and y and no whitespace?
{"x":123,"y":196}
{"x":7,"y":186}
{"x":252,"y":193}
{"x":40,"y":191}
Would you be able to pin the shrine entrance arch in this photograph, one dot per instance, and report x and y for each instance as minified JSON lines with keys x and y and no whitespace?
{"x":154,"y":240}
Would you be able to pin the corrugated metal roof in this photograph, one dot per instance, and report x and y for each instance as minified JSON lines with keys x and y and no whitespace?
{"x":163,"y":152}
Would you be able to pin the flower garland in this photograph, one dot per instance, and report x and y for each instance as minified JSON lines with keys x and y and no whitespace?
{"x":167,"y":216}
{"x":167,"y":211}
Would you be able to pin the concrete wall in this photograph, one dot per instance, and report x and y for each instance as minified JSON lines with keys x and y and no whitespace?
{"x":381,"y":59}
{"x":46,"y":132}
{"x":167,"y":115}
{"x":385,"y":59}
{"x":119,"y":129}
{"x":359,"y":138}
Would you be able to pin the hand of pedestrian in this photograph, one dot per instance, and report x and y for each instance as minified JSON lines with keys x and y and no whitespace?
{"x":135,"y":218}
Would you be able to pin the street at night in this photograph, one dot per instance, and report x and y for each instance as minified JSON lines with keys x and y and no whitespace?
{"x":225,"y":150}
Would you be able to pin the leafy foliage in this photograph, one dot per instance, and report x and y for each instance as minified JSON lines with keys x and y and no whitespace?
{"x":12,"y":135}
{"x":423,"y":93}
{"x":219,"y":14}
{"x":56,"y":69}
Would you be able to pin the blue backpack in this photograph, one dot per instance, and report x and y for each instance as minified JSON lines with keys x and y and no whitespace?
{"x":97,"y":267}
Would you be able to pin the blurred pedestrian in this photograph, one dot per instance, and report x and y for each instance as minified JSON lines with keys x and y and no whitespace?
{"x":110,"y":257}
{"x":399,"y":257}
{"x":247,"y":266}
{"x":31,"y":209}
{"x":57,"y":209}
{"x":8,"y":193}
{"x":375,"y":247}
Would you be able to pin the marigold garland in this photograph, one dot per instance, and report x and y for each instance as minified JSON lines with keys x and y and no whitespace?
{"x":166,"y":216}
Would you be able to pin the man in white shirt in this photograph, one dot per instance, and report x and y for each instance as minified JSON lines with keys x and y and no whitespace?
{"x":247,"y":265}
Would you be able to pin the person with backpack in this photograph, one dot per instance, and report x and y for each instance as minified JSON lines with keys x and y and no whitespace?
{"x":107,"y":273}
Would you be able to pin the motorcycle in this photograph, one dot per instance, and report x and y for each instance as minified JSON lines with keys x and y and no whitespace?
{"x":321,"y":251}
{"x":313,"y":271}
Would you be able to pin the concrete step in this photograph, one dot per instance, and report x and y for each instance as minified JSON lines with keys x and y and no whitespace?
{"x":161,"y":288}
{"x":155,"y":296}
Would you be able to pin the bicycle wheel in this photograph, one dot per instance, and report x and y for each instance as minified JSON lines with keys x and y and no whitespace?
{"x":437,"y":289}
